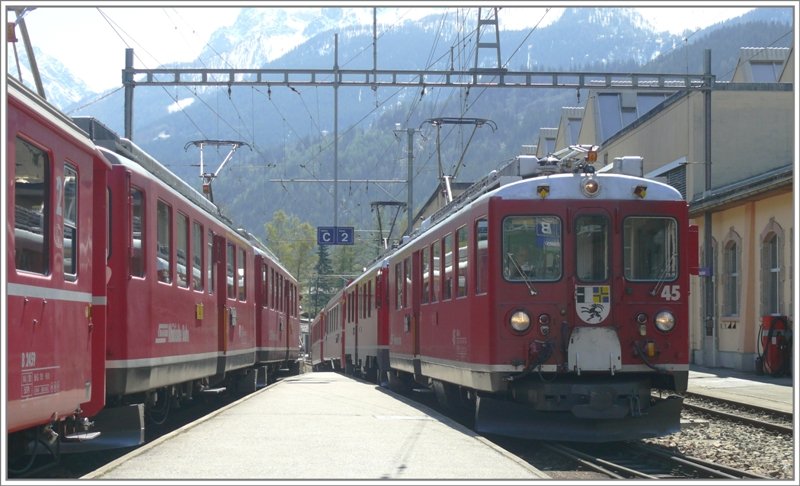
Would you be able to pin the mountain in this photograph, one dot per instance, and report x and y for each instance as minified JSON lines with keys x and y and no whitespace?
{"x":61,"y":87}
{"x":289,"y":160}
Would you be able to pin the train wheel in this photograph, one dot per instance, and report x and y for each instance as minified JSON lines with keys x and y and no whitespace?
{"x":157,"y":406}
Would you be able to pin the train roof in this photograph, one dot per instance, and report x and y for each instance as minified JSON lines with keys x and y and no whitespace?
{"x":41,"y":106}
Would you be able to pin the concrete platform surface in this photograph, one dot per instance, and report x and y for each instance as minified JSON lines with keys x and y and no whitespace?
{"x":320,"y":426}
{"x":749,"y":388}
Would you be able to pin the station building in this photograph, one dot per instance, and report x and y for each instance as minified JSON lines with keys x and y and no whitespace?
{"x":737,"y":173}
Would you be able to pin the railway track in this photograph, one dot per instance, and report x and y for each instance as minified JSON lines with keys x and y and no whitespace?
{"x":756,"y":416}
{"x":634,"y":460}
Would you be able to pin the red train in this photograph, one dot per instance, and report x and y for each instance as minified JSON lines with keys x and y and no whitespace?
{"x":549,"y":299}
{"x":127,"y":290}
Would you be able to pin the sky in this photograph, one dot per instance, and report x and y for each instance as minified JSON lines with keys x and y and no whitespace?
{"x":162,"y":32}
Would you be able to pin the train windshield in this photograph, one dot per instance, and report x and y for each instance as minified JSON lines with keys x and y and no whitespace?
{"x":591,"y":245}
{"x":532,"y":248}
{"x":651,"y":250}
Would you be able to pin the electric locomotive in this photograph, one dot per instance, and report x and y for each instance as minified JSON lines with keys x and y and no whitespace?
{"x":55,"y":250}
{"x":554,"y":297}
{"x":550,"y":298}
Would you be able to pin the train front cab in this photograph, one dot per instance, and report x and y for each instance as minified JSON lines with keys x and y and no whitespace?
{"x":599,"y":320}
{"x":56,"y":273}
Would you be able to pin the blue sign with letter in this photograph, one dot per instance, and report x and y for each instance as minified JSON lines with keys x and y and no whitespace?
{"x":335,"y":235}
{"x":326,"y":235}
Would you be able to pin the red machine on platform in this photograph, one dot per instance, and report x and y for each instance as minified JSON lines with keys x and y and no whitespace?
{"x":775,"y":345}
{"x":550,"y":299}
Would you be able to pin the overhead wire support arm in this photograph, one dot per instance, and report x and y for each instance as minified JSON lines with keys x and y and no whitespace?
{"x":208,"y":177}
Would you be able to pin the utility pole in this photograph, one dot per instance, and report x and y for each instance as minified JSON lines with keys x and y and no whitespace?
{"x":410,"y":179}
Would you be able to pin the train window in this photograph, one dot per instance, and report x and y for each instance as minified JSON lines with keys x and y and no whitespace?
{"x":398,"y":285}
{"x":377,"y":297}
{"x":197,"y":256}
{"x":280,"y":294}
{"x":230,"y":261}
{"x":426,"y":274}
{"x":369,"y":298}
{"x":447,"y":291}
{"x":462,"y":238}
{"x":407,"y":282}
{"x":264,"y":285}
{"x":591,"y":248}
{"x":69,"y":209}
{"x":211,"y":270}
{"x":650,"y":248}
{"x":273,"y":287}
{"x":137,"y":232}
{"x":481,"y":256}
{"x":241,"y":274}
{"x":437,"y":269}
{"x":164,"y":242}
{"x":182,"y":249}
{"x":531,"y":248}
{"x":31,"y":209}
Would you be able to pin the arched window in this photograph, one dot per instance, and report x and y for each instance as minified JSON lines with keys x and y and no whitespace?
{"x":731,"y":267}
{"x":772,"y":269}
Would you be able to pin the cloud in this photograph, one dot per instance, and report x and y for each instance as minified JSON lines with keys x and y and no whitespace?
{"x":180,"y":105}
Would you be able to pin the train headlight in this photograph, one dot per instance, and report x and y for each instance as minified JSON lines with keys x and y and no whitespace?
{"x":665,"y":321}
{"x":520,"y":321}
{"x":590,"y":187}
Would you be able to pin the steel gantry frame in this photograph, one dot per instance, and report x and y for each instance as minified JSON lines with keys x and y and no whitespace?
{"x":383,"y":78}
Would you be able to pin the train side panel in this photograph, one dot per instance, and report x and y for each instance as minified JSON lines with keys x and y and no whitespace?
{"x":55,"y":258}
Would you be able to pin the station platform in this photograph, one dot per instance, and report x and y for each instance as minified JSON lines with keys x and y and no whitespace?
{"x":320,"y":426}
{"x":774,"y":393}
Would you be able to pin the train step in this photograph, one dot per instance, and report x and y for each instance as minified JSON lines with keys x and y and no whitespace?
{"x":213,"y":391}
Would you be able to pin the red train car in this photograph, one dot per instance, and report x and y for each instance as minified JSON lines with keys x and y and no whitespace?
{"x":327,"y":335}
{"x":191,"y":309}
{"x":351,"y":332}
{"x":55,"y":245}
{"x":277,"y":315}
{"x":128,"y":291}
{"x":550,"y":298}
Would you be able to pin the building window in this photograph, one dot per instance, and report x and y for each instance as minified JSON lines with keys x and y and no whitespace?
{"x":705,"y":313}
{"x":772,"y":269}
{"x":765,"y":72}
{"x":730,"y":275}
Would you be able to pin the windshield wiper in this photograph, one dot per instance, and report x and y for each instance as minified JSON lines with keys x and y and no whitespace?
{"x":522,"y":273}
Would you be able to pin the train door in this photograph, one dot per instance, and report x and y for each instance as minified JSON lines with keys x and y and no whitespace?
{"x":592,"y":254}
{"x":414,"y":278}
{"x":357,"y":306}
{"x":220,"y":264}
{"x":342,"y":330}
